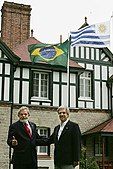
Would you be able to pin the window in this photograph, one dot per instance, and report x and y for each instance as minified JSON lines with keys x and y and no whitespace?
{"x":40,"y":85}
{"x":85,"y":85}
{"x":98,"y":146}
{"x":43,"y":131}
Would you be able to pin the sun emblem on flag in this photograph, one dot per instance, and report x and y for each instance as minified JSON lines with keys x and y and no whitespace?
{"x":102,"y":28}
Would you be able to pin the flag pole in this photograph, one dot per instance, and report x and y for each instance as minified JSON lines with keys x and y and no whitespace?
{"x":68,"y":75}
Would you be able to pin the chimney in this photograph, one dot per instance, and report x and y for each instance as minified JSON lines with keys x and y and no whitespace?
{"x":15,"y":23}
{"x":60,"y":38}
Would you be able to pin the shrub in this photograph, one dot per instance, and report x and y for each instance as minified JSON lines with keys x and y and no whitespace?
{"x":87,"y":163}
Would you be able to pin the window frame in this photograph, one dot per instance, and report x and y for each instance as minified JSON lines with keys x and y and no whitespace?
{"x":98,"y":146}
{"x":91,"y":95}
{"x":40,"y":86}
{"x":47,"y":148}
{"x":98,"y":140}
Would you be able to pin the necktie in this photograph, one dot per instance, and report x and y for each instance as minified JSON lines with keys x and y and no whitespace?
{"x":27,"y":129}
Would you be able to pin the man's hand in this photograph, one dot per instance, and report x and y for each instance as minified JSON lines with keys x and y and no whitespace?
{"x":75,"y":163}
{"x":14,"y":141}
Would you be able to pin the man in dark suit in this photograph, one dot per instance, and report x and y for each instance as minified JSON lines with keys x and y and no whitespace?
{"x":67,"y":140}
{"x":23,"y":138}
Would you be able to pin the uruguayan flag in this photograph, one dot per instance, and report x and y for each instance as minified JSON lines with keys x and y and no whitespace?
{"x":97,"y":36}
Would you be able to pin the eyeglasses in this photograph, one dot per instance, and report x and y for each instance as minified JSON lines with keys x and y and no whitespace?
{"x":25,"y":114}
{"x":61,"y":113}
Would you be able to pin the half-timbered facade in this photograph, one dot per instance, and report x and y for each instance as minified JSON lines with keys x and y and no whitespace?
{"x":43,"y":87}
{"x":39,"y":84}
{"x":98,"y":63}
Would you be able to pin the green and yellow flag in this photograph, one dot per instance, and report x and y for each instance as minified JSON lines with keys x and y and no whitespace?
{"x":52,"y":54}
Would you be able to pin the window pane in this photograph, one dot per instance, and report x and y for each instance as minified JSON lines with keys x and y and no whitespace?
{"x":44,"y":85}
{"x":43,"y":149}
{"x":40,"y":84}
{"x":98,"y":146}
{"x":36,"y":84}
{"x":85,"y":84}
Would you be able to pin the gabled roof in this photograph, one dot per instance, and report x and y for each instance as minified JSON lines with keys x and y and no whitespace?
{"x":108,"y":53}
{"x":13,"y":58}
{"x":105,"y":127}
{"x":21,"y":50}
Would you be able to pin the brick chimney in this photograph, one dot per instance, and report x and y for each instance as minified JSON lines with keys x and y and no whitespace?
{"x":15,"y":23}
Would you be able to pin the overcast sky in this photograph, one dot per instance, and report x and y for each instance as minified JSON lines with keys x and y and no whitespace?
{"x":52,"y":18}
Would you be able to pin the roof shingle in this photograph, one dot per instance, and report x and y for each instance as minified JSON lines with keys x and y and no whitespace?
{"x":106,"y":127}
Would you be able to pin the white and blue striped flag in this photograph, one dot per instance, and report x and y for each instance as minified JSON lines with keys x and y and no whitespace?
{"x":97,"y":35}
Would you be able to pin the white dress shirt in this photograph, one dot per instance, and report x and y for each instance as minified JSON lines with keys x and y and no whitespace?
{"x":62,"y":125}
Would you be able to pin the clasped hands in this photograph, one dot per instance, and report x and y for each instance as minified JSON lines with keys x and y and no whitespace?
{"x":75,"y":163}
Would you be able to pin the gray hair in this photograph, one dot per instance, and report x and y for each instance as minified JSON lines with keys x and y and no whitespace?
{"x":23,"y":108}
{"x":63,"y":108}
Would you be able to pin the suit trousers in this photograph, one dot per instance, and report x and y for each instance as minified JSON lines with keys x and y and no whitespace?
{"x":24,"y":166}
{"x":64,"y":167}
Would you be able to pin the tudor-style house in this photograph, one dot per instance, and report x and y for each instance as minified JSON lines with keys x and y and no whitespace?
{"x":43,"y":87}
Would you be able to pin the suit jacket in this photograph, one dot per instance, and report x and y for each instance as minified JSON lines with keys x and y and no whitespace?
{"x":67,"y":148}
{"x":25,"y":152}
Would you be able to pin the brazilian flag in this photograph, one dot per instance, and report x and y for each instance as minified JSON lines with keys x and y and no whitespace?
{"x":52,"y":54}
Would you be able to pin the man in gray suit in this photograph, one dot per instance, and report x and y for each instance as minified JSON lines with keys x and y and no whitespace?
{"x":67,"y":140}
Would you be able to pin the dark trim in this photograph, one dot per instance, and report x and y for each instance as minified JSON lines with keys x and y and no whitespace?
{"x":107,"y":134}
{"x":97,"y":62}
{"x":92,"y":86}
{"x":20,"y":87}
{"x":77,"y":89}
{"x":46,"y":66}
{"x":50,"y":87}
{"x":85,"y":53}
{"x":68,"y":91}
{"x":100,"y":86}
{"x":90,"y":53}
{"x":79,"y":52}
{"x":60,"y":87}
{"x":49,"y":145}
{"x":3,"y":81}
{"x":74,"y":51}
{"x":30,"y":84}
{"x":95,"y":54}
